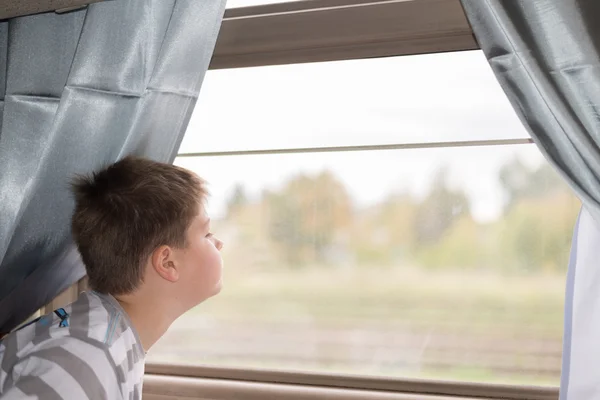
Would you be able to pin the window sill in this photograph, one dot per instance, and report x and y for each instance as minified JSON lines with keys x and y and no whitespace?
{"x":226,"y":383}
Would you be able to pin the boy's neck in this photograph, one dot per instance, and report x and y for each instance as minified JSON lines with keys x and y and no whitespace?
{"x":149,"y":320}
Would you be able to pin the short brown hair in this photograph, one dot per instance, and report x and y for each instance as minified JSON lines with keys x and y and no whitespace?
{"x":127,"y":210}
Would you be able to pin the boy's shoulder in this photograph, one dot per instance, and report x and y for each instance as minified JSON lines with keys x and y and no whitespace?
{"x":90,"y":344}
{"x":94,"y":319}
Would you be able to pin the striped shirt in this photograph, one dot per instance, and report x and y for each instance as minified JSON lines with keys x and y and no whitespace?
{"x":88,"y":350}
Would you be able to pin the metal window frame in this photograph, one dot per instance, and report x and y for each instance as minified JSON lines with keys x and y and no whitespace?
{"x":223,"y":380}
{"x":333,"y":30}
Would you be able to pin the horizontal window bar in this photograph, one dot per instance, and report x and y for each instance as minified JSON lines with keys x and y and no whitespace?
{"x":160,"y":387}
{"x":287,"y":7}
{"x":406,"y":386}
{"x":470,"y":143}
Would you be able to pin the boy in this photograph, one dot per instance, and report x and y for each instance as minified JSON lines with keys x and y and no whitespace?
{"x":144,"y":237}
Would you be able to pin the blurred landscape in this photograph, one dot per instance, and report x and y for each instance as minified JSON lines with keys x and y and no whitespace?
{"x":407,"y":287}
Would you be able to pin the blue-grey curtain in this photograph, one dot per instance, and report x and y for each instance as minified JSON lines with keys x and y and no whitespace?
{"x":546,"y":56}
{"x":79,"y":91}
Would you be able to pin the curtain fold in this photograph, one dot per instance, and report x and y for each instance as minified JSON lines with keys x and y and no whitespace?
{"x":81,"y":90}
{"x":546,"y":56}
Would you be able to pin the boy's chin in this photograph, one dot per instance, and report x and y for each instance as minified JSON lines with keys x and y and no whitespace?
{"x":218,"y":288}
{"x":215,"y":291}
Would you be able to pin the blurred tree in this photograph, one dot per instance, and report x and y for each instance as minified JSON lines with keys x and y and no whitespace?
{"x":305,"y":215}
{"x":520,"y":182}
{"x":536,"y":233}
{"x":311,"y":220}
{"x":465,"y":246}
{"x":237,"y":201}
{"x":438,"y":211}
{"x":383,"y":234}
{"x":540,"y":212}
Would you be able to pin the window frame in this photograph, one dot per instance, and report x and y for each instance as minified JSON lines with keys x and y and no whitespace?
{"x":334,"y":30}
{"x":222,"y":380}
{"x":310,"y":31}
{"x":313,"y":31}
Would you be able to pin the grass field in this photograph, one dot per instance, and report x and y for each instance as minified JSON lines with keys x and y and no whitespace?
{"x":404,"y":322}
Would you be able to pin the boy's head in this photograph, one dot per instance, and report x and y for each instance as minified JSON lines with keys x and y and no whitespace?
{"x":142,"y":223}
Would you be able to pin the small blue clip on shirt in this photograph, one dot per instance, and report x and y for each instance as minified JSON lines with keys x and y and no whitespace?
{"x":64,"y":317}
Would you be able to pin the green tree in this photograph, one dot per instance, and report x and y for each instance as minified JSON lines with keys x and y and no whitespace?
{"x":438,"y":211}
{"x":237,"y":201}
{"x":383,"y":234}
{"x":305,"y":216}
{"x":464,"y":246}
{"x":535,"y":232}
{"x":520,"y":182}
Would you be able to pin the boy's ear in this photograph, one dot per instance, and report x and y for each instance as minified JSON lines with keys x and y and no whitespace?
{"x":164,"y":263}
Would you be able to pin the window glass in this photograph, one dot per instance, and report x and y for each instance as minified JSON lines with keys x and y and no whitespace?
{"x":445,"y":97}
{"x":443,"y":263}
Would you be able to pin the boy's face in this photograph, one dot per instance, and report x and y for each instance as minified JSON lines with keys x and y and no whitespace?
{"x":201,"y":262}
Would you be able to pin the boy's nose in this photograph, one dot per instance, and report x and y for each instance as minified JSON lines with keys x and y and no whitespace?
{"x":218,"y":244}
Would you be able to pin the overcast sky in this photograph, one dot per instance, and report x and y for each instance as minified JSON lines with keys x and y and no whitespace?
{"x":438,"y":97}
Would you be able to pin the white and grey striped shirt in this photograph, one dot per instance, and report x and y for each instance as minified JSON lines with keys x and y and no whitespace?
{"x":88,"y":350}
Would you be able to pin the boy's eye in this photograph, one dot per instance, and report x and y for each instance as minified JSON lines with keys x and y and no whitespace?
{"x":209,"y":235}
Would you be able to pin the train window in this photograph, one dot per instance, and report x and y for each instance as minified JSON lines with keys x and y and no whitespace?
{"x":445,"y":260}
